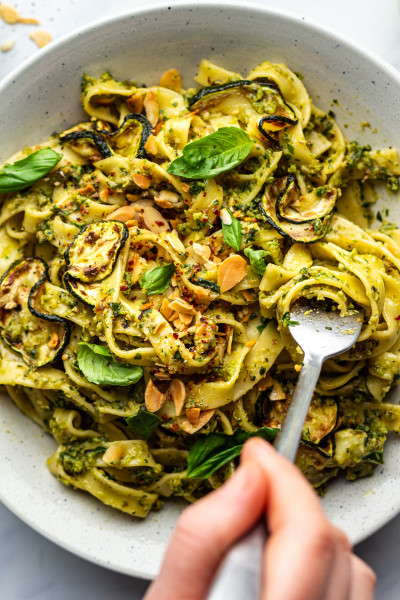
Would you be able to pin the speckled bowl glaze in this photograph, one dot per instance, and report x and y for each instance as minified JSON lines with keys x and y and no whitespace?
{"x":43,"y":96}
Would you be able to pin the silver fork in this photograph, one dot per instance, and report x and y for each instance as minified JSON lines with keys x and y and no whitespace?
{"x":321,"y":334}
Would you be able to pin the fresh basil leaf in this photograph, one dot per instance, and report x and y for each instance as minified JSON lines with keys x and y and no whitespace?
{"x":257,"y":259}
{"x":143,"y":424}
{"x":213,"y":154}
{"x":231,"y":229}
{"x":157,"y":280}
{"x":98,"y":366}
{"x":263,"y":324}
{"x":210,"y":452}
{"x":26,"y":171}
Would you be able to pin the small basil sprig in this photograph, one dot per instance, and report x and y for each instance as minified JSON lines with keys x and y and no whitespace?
{"x":26,"y":171}
{"x":210,"y":452}
{"x":257,"y":259}
{"x":157,"y":280}
{"x":143,"y":424}
{"x":213,"y":154}
{"x":98,"y":366}
{"x":231,"y":229}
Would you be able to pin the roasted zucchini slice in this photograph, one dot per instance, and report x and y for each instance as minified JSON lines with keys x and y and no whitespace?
{"x":88,"y":144}
{"x":264,"y":98}
{"x":130,"y":138}
{"x":92,"y":254}
{"x":88,"y":293}
{"x":301,"y":218}
{"x":25,"y":327}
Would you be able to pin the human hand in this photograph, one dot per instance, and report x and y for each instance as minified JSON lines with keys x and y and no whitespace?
{"x":306,"y":557}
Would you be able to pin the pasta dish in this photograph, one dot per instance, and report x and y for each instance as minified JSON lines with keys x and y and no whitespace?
{"x":150,"y":257}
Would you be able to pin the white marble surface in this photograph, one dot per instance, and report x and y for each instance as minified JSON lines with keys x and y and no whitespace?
{"x":31,"y":567}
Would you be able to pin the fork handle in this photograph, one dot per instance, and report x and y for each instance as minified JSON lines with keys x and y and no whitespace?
{"x":240,"y":575}
{"x":289,"y":436}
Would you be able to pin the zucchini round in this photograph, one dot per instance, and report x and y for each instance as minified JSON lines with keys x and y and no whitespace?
{"x":40,"y":338}
{"x":83,"y":142}
{"x":92,"y":254}
{"x":88,"y":293}
{"x":124,"y":136}
{"x":264,"y":96}
{"x":280,"y":203}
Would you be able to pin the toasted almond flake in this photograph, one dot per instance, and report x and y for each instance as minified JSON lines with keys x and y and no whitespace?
{"x":171,"y":80}
{"x":165,"y":310}
{"x":146,"y":305}
{"x":87,"y":190}
{"x":201,"y":250}
{"x":277,"y":392}
{"x":229,"y":335}
{"x":162,"y":375}
{"x":193,"y":415}
{"x":246,"y":317}
{"x":181,"y":306}
{"x":162,"y":203}
{"x":131,"y":223}
{"x":297,"y":368}
{"x":225,"y":217}
{"x":41,"y":38}
{"x":123,"y":213}
{"x":8,"y":45}
{"x":113,"y":454}
{"x":154,"y":220}
{"x":132,"y":197}
{"x":178,"y":393}
{"x":151,"y":145}
{"x":53,"y":341}
{"x":250,"y":343}
{"x":135,"y":102}
{"x":204,"y":418}
{"x":185,"y":319}
{"x":65,"y":357}
{"x":9,"y":14}
{"x":150,"y":104}
{"x":141,"y":181}
{"x":158,"y":327}
{"x":172,"y":197}
{"x":174,"y":316}
{"x":153,"y":398}
{"x":28,"y":21}
{"x":185,"y":187}
{"x":178,"y":323}
{"x":231,"y":271}
{"x":247,"y":296}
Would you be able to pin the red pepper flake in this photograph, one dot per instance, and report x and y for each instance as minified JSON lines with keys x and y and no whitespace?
{"x":175,"y":335}
{"x":397,"y":318}
{"x":123,"y":288}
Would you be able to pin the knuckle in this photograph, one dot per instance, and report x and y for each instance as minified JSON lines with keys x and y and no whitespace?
{"x":367,"y":574}
{"x":322,"y":539}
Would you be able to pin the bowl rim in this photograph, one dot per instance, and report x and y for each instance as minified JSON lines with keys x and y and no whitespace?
{"x":162,"y":5}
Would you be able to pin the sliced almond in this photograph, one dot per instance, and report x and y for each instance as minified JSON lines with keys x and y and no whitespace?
{"x":135,"y":102}
{"x":165,"y":310}
{"x":53,"y":341}
{"x":153,"y":398}
{"x":185,"y":319}
{"x":171,"y":80}
{"x":178,"y":393}
{"x":9,"y":14}
{"x":41,"y":38}
{"x":151,"y":145}
{"x":193,"y":415}
{"x":87,"y":190}
{"x":181,"y":306}
{"x":154,"y":220}
{"x":141,"y":181}
{"x":6,"y":46}
{"x":231,"y":271}
{"x":185,"y":187}
{"x":123,"y":213}
{"x":151,"y":108}
{"x":28,"y":21}
{"x":203,"y":419}
{"x":113,"y":454}
{"x":172,"y":197}
{"x":201,"y":250}
{"x":162,"y":203}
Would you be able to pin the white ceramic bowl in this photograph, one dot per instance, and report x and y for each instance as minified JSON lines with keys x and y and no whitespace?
{"x":43,"y":96}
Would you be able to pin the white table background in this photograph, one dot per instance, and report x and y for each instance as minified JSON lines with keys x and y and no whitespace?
{"x":31,"y":567}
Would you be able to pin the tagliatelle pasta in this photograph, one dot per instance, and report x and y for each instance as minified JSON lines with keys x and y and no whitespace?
{"x":148,"y":279}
